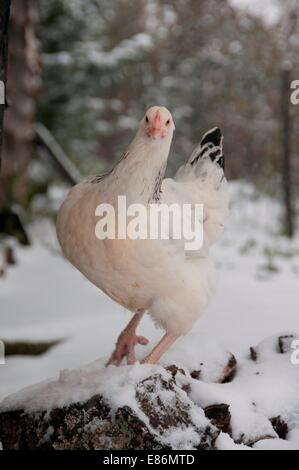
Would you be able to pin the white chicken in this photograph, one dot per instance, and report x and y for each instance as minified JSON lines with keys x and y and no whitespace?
{"x":154,"y":276}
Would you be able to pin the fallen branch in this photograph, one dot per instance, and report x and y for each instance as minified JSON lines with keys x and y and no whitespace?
{"x":28,"y":348}
{"x":48,"y":148}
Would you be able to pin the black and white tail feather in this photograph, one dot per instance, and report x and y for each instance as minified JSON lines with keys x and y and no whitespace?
{"x":201,"y":181}
{"x":211,"y":146}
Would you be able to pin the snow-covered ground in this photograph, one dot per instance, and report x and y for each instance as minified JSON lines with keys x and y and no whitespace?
{"x":44,"y":297}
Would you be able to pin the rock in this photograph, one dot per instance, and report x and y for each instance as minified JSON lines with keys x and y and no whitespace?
{"x":2,"y":263}
{"x":273,"y":345}
{"x":195,"y":374}
{"x":198,"y":403}
{"x":174,"y":370}
{"x":226,"y":374}
{"x":10,"y":255}
{"x":220,"y":416}
{"x":229,"y":370}
{"x":253,"y":354}
{"x":280,"y":426}
{"x":163,"y":408}
{"x":284,"y":343}
{"x":77,"y":427}
{"x":203,"y":359}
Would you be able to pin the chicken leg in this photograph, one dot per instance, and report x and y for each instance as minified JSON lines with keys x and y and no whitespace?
{"x":127,"y":341}
{"x":158,"y":351}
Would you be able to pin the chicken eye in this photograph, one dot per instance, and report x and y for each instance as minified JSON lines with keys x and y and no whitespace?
{"x":146,"y":119}
{"x":167,"y":122}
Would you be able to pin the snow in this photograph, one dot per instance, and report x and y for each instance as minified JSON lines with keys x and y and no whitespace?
{"x":260,"y":391}
{"x":118,"y":387}
{"x":225,"y":442}
{"x":269,"y":10}
{"x":126,"y":49}
{"x":61,"y":58}
{"x":78,"y":385}
{"x":43,"y":298}
{"x":263,"y":389}
{"x":199,"y":353}
{"x":274,"y":444}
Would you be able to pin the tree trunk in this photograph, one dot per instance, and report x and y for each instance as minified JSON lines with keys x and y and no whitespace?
{"x":287,"y":168}
{"x":4,"y":20}
{"x":22,"y":88}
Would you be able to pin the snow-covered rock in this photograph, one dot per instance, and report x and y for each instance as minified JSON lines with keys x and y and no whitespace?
{"x":137,"y":407}
{"x":152,"y":407}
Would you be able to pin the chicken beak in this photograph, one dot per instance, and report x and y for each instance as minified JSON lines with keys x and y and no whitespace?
{"x":157,"y":120}
{"x":155,"y":131}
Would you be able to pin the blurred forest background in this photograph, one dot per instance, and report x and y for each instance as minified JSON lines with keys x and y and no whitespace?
{"x":82,"y":72}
